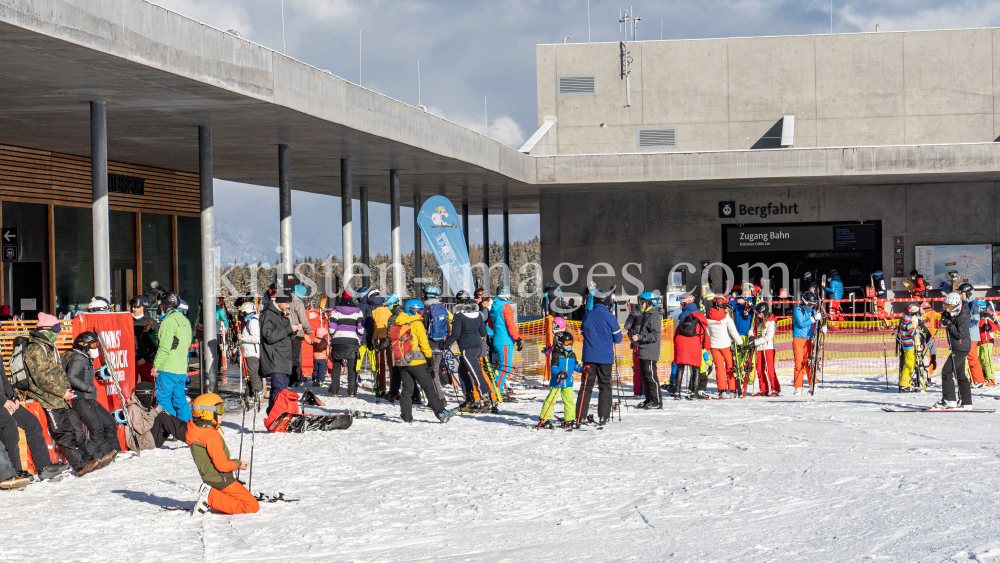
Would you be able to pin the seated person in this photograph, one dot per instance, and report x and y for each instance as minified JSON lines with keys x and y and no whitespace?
{"x":79,"y":366}
{"x":13,"y":415}
{"x":220,"y":489}
{"x":10,"y":478}
{"x":152,"y":425}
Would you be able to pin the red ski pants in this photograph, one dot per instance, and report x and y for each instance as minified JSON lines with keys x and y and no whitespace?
{"x":723,"y":359}
{"x":975,"y":368}
{"x":765,"y":372}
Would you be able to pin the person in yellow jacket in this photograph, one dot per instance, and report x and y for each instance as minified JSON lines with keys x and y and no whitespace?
{"x":411,"y":352}
{"x":380,"y":319}
{"x":220,"y":489}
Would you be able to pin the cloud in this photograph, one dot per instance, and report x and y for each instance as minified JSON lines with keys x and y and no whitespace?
{"x":507,"y":131}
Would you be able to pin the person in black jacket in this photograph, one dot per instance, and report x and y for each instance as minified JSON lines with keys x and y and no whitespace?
{"x":144,"y":326}
{"x":468,"y":329}
{"x":276,"y":344}
{"x":955,"y":320}
{"x":13,"y":416}
{"x":79,"y":366}
{"x":647,"y":339}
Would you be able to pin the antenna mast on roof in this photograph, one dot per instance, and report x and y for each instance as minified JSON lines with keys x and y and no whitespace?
{"x":623,"y":23}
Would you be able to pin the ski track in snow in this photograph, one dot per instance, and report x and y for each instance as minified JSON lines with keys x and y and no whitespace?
{"x":830,"y":478}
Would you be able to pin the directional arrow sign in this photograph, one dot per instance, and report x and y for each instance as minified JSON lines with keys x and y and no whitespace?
{"x":11,"y":244}
{"x":9,"y":235}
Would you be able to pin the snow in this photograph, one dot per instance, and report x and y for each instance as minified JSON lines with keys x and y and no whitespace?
{"x":830,"y":478}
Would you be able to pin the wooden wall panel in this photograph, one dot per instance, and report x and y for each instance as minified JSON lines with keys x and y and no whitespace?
{"x":33,"y":176}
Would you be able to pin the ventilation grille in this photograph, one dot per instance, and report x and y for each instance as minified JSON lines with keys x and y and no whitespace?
{"x":578,"y":85}
{"x":657,"y":137}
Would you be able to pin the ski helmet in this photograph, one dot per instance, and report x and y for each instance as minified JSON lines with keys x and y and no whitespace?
{"x":810,"y":299}
{"x":463,"y":296}
{"x":208,"y":407}
{"x":247,"y":308}
{"x":913,"y":308}
{"x":878,"y":273}
{"x":99,"y":304}
{"x":648,"y":300}
{"x":565,"y":341}
{"x":362,"y":291}
{"x":391,"y":300}
{"x":720,"y":302}
{"x":145,"y":393}
{"x":85,"y":341}
{"x":373,"y":292}
{"x":953,"y":303}
{"x":432,"y":292}
{"x":559,"y":323}
{"x":748,"y":289}
{"x":169,"y":301}
{"x":503,"y":292}
{"x":183,"y":307}
{"x":414,"y":307}
{"x":762,"y":309}
{"x":686,"y":299}
{"x":136,"y":302}
{"x":480,"y":293}
{"x":965,"y":289}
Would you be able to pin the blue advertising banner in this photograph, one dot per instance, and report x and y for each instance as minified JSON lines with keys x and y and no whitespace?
{"x":441,"y":227}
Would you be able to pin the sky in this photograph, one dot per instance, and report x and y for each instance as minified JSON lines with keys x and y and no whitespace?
{"x":477,"y":58}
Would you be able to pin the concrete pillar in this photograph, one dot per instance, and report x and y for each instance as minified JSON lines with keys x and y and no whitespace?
{"x":365,"y":257}
{"x":210,"y":333}
{"x":398,"y":283}
{"x":506,"y":239}
{"x":346,"y":220}
{"x":418,"y":258}
{"x":285,"y":205}
{"x":99,"y":188}
{"x":486,"y":233}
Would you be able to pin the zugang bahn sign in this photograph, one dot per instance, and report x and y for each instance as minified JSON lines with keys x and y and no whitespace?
{"x":801,"y":237}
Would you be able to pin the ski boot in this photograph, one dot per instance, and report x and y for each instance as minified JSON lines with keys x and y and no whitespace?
{"x":643,"y":404}
{"x":546,"y":424}
{"x":465,"y":406}
{"x":446,"y":415}
{"x":650,"y":405}
{"x":943,"y":404}
{"x":569,"y":424}
{"x":602,"y":422}
{"x":52,"y":471}
{"x":201,"y":506}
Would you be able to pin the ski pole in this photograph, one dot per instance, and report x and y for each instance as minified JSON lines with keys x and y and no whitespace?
{"x":243,"y":425}
{"x":583,"y":394}
{"x":253,"y":436}
{"x":885,"y":353}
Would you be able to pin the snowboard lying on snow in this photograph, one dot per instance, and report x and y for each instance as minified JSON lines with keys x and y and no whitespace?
{"x":293,"y":422}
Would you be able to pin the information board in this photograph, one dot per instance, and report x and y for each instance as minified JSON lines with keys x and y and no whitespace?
{"x":973,"y":262}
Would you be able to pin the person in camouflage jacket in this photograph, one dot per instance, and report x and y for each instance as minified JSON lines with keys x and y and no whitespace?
{"x":49,"y":385}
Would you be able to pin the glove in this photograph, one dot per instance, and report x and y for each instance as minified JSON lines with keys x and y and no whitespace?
{"x":817,"y":316}
{"x":443,"y":346}
{"x":945,"y":320}
{"x":758,"y":343}
{"x":520,"y":345}
{"x":823,"y":328}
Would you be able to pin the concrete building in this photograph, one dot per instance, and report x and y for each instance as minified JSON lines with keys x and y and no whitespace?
{"x":895,"y":130}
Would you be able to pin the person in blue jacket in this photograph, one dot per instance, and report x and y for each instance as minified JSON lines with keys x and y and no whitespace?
{"x":505,"y":335}
{"x":600,"y":334}
{"x":835,"y":288}
{"x":564,"y":364}
{"x":743,"y":303}
{"x":804,"y":319}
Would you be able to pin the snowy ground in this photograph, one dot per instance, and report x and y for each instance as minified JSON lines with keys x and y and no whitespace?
{"x":789,"y":479}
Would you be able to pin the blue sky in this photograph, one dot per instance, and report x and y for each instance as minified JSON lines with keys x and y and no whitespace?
{"x":472,"y":49}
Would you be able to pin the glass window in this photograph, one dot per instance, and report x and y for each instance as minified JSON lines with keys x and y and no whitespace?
{"x":157,"y":252}
{"x":74,"y":258}
{"x":122,"y":232}
{"x":189,"y":258}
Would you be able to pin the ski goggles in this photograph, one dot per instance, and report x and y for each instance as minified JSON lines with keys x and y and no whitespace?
{"x":217,"y":409}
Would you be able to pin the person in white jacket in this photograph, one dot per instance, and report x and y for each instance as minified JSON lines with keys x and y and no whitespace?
{"x":250,"y":335}
{"x":722,"y":332}
{"x":764,"y":328}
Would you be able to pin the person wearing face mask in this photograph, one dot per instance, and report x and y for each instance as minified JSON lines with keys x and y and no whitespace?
{"x":144,"y":327}
{"x":171,"y":363}
{"x":49,"y":385}
{"x":152,"y":426}
{"x":79,"y":366}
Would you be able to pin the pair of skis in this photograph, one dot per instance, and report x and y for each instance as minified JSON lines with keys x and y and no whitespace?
{"x":106,"y":360}
{"x":816,"y":362}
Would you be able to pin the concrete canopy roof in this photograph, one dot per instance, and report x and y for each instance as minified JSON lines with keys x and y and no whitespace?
{"x":163,"y":74}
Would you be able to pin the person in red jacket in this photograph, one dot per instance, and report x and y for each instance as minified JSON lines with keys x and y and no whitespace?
{"x":690,"y":339}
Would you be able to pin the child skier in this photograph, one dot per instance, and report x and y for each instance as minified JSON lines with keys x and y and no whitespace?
{"x":909,"y":334}
{"x":321,"y":355}
{"x":987,"y":328}
{"x":220,"y":489}
{"x":561,"y":383}
{"x":764,"y":330}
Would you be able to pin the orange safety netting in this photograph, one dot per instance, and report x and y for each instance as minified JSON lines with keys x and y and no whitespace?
{"x":9,"y":330}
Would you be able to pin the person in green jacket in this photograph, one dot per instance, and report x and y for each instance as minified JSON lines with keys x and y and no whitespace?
{"x":170,"y":365}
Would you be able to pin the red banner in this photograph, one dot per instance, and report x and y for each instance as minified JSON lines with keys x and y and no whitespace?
{"x":315,"y":321}
{"x":116,"y":330}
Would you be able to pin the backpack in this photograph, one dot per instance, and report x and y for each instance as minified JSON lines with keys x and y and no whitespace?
{"x":689,"y":326}
{"x":403,"y":352}
{"x":18,"y":370}
{"x":437,"y":326}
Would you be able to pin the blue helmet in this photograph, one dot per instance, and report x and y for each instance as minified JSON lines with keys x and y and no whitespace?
{"x":648,"y":300}
{"x":413,"y":306}
{"x":982,"y":304}
{"x":503,"y":292}
{"x":431,"y":292}
{"x":391,"y":300}
{"x":878,"y":273}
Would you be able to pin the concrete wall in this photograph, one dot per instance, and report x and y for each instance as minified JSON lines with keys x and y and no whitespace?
{"x":865,"y":89}
{"x":660,"y":226}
